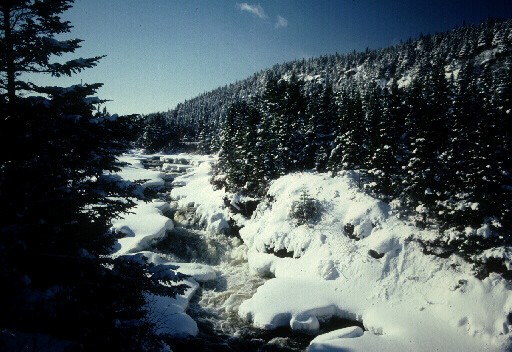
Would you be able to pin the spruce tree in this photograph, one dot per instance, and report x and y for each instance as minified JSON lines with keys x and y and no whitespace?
{"x":156,"y":134}
{"x":324,"y":117}
{"x":28,"y":44}
{"x":58,"y":199}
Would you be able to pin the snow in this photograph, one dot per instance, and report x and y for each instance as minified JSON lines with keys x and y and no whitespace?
{"x":136,"y":171}
{"x":406,"y":300}
{"x":175,"y":167}
{"x":405,"y":81}
{"x":410,"y":299}
{"x":144,"y":226}
{"x":199,"y":272}
{"x":352,"y":339}
{"x":169,"y":313}
{"x":198,"y":189}
{"x":300,"y":303}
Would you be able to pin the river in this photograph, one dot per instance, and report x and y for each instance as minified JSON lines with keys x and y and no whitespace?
{"x":214,"y":306}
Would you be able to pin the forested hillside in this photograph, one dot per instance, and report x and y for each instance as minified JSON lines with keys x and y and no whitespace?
{"x":485,"y":47}
{"x":423,"y":125}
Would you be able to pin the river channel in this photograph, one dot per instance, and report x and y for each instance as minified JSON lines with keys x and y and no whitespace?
{"x":215,"y":305}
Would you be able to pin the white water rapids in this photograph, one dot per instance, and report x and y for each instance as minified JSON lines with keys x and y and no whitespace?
{"x":215,"y":305}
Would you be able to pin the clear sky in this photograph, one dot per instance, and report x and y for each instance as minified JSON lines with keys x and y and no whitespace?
{"x":162,"y":52}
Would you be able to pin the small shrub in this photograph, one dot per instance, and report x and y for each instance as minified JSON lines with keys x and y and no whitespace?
{"x":305,"y":209}
{"x":348,"y":229}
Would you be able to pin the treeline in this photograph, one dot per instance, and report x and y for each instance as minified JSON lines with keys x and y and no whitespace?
{"x":438,"y":147}
{"x":484,"y":46}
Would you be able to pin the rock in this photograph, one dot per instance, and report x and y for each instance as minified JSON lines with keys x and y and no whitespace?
{"x":186,"y":217}
{"x":375,"y":254}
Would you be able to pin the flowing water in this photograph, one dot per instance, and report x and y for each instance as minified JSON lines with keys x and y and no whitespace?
{"x":214,"y":306}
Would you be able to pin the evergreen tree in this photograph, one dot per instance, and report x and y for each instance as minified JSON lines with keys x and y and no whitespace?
{"x":28,"y":44}
{"x":463,"y":152}
{"x":268,"y":140}
{"x":385,"y":165}
{"x":350,"y":144}
{"x":58,"y":200}
{"x":204,"y":139}
{"x":156,"y":134}
{"x":320,"y":128}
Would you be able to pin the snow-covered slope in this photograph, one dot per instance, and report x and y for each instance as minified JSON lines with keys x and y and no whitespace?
{"x":407,"y":300}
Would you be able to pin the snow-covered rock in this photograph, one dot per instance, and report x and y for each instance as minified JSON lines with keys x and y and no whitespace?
{"x":145,"y":225}
{"x":407,"y":300}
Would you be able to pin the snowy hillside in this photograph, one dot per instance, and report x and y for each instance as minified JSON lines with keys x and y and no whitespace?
{"x":407,"y":300}
{"x":483,"y":46}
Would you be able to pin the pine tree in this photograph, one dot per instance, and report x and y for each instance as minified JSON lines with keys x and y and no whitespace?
{"x":28,"y":44}
{"x":58,"y":200}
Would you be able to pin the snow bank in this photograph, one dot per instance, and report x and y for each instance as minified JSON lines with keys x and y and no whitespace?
{"x":353,"y":339}
{"x":406,"y":299}
{"x":195,"y":186}
{"x":146,"y":224}
{"x":298,"y":303}
{"x":136,"y":171}
{"x":169,"y":313}
{"x":199,"y":272}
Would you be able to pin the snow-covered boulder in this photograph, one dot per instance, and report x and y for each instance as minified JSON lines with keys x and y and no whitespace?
{"x":146,"y":224}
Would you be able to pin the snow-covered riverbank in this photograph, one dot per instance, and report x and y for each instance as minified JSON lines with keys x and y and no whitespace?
{"x":407,"y":301}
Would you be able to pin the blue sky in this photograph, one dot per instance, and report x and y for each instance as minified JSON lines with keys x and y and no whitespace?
{"x":161,"y":52}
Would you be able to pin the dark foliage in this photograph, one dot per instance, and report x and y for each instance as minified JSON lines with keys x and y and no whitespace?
{"x":57,"y":200}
